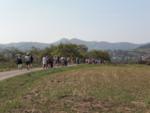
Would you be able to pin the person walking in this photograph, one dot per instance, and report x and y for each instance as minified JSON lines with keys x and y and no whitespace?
{"x":19,"y":62}
{"x":51,"y":61}
{"x":27,"y":61}
{"x":31,"y":60}
{"x":44,"y":62}
{"x":65,"y":61}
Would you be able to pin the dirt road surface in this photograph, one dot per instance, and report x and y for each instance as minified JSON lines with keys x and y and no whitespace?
{"x":9,"y":74}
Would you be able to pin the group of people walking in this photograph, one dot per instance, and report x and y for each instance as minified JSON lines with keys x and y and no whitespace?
{"x":27,"y":59}
{"x":47,"y":62}
{"x":50,"y":61}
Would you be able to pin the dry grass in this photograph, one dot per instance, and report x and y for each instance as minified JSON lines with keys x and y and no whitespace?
{"x":92,"y":89}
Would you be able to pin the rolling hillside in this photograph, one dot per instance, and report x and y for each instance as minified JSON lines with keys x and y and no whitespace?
{"x":101,"y":45}
{"x":144,"y":48}
{"x":90,"y":44}
{"x":24,"y":45}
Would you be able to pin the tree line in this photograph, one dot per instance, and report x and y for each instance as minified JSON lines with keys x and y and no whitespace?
{"x":66,"y":50}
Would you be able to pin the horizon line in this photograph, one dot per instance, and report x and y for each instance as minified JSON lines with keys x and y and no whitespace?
{"x":71,"y":39}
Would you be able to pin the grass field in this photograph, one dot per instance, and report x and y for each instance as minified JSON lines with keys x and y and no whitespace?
{"x":7,"y":66}
{"x":80,"y":89}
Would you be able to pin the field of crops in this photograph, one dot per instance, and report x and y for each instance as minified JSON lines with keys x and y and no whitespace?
{"x":79,"y":89}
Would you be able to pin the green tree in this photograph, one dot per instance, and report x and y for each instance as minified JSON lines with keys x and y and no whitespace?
{"x":98,"y":54}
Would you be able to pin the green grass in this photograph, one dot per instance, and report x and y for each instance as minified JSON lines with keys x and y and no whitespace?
{"x":79,"y":89}
{"x":7,"y":66}
{"x":12,"y":66}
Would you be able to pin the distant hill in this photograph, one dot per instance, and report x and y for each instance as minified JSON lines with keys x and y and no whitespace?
{"x":100,"y":45}
{"x":90,"y":44}
{"x":144,"y":48}
{"x":24,"y":45}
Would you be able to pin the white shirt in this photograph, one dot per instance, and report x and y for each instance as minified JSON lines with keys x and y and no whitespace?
{"x":44,"y":61}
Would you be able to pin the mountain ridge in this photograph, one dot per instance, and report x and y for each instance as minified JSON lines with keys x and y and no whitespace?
{"x":103,"y":45}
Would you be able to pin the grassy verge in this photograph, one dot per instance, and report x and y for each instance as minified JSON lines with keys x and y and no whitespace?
{"x":12,"y":66}
{"x":84,"y":88}
{"x":7,"y":66}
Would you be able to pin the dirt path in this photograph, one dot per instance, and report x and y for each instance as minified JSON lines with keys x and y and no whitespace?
{"x":9,"y":74}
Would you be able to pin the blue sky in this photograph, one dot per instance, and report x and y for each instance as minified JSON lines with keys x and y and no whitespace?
{"x":99,"y":20}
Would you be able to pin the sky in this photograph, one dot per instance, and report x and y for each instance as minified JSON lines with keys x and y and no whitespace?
{"x":92,"y":20}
